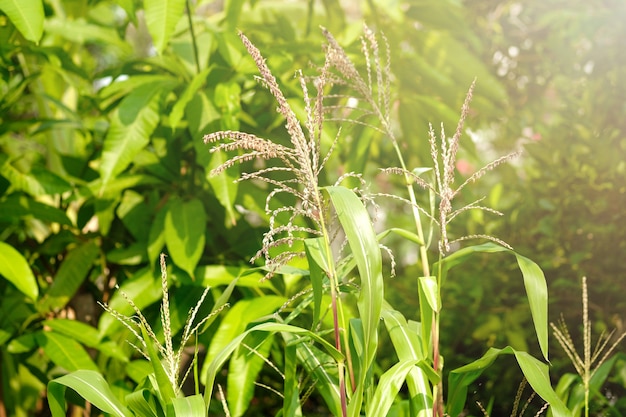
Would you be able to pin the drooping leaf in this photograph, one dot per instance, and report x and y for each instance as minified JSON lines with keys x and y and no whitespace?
{"x":161,"y":19}
{"x":190,"y":91}
{"x":91,"y":386}
{"x":535,"y":372}
{"x":534,"y":282}
{"x":15,"y":269}
{"x":26,"y":15}
{"x":70,"y":276}
{"x":185,"y":225}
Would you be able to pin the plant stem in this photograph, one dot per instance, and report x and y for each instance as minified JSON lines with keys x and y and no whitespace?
{"x":194,"y":43}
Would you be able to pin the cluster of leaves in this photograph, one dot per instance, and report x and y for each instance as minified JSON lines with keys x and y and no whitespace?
{"x":102,"y":167}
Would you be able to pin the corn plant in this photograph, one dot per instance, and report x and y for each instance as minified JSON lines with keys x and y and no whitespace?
{"x":331,"y":227}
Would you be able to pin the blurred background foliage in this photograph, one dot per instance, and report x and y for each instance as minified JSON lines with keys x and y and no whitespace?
{"x":103,"y":106}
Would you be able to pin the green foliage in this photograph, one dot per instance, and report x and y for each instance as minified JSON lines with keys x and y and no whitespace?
{"x":102,"y":109}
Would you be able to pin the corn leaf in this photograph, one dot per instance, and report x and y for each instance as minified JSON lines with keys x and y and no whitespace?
{"x":535,"y":372}
{"x":534,"y":282}
{"x":191,"y":406}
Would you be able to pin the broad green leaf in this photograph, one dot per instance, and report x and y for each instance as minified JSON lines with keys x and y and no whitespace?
{"x":388,"y":387}
{"x":535,"y":372}
{"x":132,"y":124}
{"x":534,"y":282}
{"x":144,"y":288}
{"x":15,"y":269}
{"x":87,"y":335}
{"x":243,"y":369}
{"x":185,"y":225}
{"x":91,"y":386}
{"x":156,"y":236}
{"x":21,"y":206}
{"x":64,"y":351}
{"x":191,"y":406}
{"x":70,"y":276}
{"x":196,"y":84}
{"x":161,"y":19}
{"x":224,"y":185}
{"x":37,"y":182}
{"x":81,"y":31}
{"x":26,"y":15}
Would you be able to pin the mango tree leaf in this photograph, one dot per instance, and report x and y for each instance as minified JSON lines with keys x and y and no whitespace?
{"x":161,"y":19}
{"x":64,"y":351}
{"x":132,"y":123}
{"x":185,"y":225}
{"x":534,"y":282}
{"x":535,"y":372}
{"x":70,"y":276}
{"x":15,"y":269}
{"x":178,"y":110}
{"x":26,"y":15}
{"x":224,"y":185}
{"x":91,"y":386}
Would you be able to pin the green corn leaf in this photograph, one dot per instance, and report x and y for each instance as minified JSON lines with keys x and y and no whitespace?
{"x":237,"y":319}
{"x":143,"y":403}
{"x":408,"y":347}
{"x":357,"y":226}
{"x":291,"y":392}
{"x":388,"y":387}
{"x":161,"y":19}
{"x":91,"y":386}
{"x":26,"y":15}
{"x":70,"y":276}
{"x":165,"y":390}
{"x":191,"y":406}
{"x":534,"y":282}
{"x":185,"y":225}
{"x":64,"y":351}
{"x":243,"y":368}
{"x":535,"y":372}
{"x":428,"y":285}
{"x":209,"y":373}
{"x":318,"y":266}
{"x":14,"y":268}
{"x":412,"y":237}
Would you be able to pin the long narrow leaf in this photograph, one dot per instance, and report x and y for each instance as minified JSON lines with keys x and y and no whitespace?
{"x":535,"y":372}
{"x":91,"y":386}
{"x":64,"y":351}
{"x":191,"y":406}
{"x":388,"y":388}
{"x":534,"y":282}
